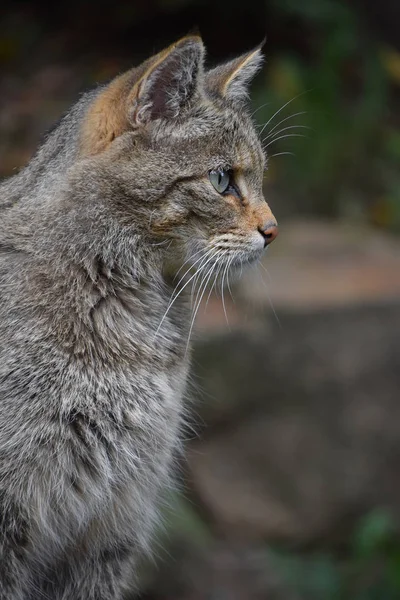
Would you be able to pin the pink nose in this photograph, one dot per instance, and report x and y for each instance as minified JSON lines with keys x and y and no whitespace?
{"x":269,"y":232}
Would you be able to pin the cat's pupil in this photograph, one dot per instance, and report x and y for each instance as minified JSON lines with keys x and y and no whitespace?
{"x":220,"y":180}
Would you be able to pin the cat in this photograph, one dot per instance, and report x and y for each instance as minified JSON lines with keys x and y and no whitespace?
{"x":156,"y":173}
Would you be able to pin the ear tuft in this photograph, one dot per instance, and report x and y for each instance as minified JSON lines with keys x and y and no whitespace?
{"x":231,"y":80}
{"x":170,"y":82}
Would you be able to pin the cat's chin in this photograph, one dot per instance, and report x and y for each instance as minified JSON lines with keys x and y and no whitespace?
{"x":244,"y":260}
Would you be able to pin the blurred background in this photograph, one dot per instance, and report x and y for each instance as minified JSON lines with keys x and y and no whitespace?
{"x":290,"y":489}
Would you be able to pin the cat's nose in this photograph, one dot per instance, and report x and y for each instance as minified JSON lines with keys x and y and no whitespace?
{"x":269,"y":231}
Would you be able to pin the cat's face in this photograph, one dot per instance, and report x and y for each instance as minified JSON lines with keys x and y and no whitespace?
{"x":216,"y":202}
{"x":188,"y":154}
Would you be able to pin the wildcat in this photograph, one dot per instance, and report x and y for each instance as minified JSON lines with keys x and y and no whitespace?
{"x":158,"y":172}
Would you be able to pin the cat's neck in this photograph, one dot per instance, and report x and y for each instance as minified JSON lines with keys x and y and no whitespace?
{"x":116,"y":311}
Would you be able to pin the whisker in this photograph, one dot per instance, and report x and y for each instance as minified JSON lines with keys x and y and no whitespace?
{"x":224,"y":307}
{"x":194,"y":284}
{"x":187,"y":261}
{"x":200,"y":260}
{"x":260,"y":264}
{"x":161,"y":243}
{"x":286,"y":129}
{"x":268,"y":296}
{"x":211,"y":289}
{"x":229,"y":287}
{"x":302,"y":112}
{"x":194,"y":302}
{"x":173,"y":298}
{"x":282,"y":107}
{"x":203,"y":286}
{"x":207,"y":253}
{"x":259,"y":108}
{"x":282,"y":137}
{"x":215,"y":282}
{"x":218,"y":273}
{"x":222,"y":294}
{"x":280,"y":154}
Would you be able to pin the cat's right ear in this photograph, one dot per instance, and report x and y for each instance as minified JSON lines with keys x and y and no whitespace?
{"x":160,"y":88}
{"x":231,"y":80}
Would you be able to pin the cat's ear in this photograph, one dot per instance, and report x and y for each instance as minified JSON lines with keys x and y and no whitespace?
{"x":159,"y":88}
{"x":169,"y":83}
{"x":231,"y":80}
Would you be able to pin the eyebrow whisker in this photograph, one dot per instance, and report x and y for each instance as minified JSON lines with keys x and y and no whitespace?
{"x":286,"y":129}
{"x":282,"y":137}
{"x":302,"y":112}
{"x":281,"y":108}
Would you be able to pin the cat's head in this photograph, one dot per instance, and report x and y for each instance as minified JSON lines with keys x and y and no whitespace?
{"x":176,"y":146}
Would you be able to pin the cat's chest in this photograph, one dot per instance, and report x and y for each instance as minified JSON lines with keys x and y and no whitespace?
{"x":134,"y":389}
{"x":144,"y":426}
{"x":142,"y":405}
{"x":151,"y":335}
{"x":138,"y":420}
{"x":137,"y":396}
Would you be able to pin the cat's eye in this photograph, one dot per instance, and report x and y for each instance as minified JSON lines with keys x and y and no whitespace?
{"x":220,"y":179}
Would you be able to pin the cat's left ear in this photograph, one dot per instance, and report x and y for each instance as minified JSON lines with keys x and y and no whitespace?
{"x":159,"y":88}
{"x":169,"y":83}
{"x":231,"y":80}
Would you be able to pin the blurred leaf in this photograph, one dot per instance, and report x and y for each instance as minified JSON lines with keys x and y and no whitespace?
{"x":182,"y":519}
{"x":382,"y":212}
{"x":313,"y":577}
{"x":394,"y":567}
{"x":392,"y":145}
{"x":391,"y":62}
{"x":285,"y":78}
{"x":374,"y":533}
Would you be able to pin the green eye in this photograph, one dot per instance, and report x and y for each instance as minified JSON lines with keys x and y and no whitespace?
{"x":220,"y":180}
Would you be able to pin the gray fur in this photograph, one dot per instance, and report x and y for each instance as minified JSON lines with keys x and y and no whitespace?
{"x":92,"y":365}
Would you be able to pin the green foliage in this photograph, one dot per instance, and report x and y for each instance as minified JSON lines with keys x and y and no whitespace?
{"x":367,"y":569}
{"x":370,"y":571}
{"x":311,"y":578}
